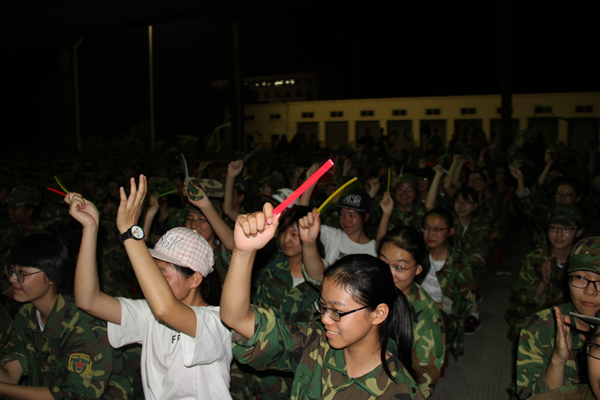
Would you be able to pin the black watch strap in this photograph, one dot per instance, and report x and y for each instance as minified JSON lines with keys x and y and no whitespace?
{"x":134,"y":232}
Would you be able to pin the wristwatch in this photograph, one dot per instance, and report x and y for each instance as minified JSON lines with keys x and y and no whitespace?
{"x":134,"y":232}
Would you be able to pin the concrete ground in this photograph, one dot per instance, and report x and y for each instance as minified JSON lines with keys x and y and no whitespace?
{"x":484,"y":371}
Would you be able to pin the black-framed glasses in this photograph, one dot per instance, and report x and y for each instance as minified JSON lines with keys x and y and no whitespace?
{"x":435,"y":230}
{"x":333,"y":313}
{"x":567,"y":230}
{"x":17,"y":274}
{"x":400,"y":267}
{"x":581,"y":282}
{"x":593,"y":350}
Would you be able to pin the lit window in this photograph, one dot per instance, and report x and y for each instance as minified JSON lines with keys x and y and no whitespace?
{"x":292,"y":82}
{"x":278,"y":83}
{"x":265,"y":83}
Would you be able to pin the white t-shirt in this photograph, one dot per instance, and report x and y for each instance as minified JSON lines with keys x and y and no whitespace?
{"x":175,"y":365}
{"x":431,"y":284}
{"x":337,"y":244}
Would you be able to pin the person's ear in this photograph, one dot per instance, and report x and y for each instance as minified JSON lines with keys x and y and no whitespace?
{"x":380,"y":314}
{"x":577,"y":199}
{"x":451,"y":232}
{"x":419,"y":269}
{"x":195,"y":280}
{"x":367,"y":217}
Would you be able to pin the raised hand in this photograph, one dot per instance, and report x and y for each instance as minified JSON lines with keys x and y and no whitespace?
{"x":82,"y":210}
{"x":310,"y":225}
{"x":387,"y":204}
{"x":130,"y":207}
{"x":313,"y":168}
{"x":548,"y":157}
{"x":439,"y":170}
{"x":253,"y":231}
{"x":203,"y":202}
{"x":516,"y":172}
{"x":546,"y":272}
{"x":373,"y":185}
{"x":562,"y":339}
{"x":234,"y":168}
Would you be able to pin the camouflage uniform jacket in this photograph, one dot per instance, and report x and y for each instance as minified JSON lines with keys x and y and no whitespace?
{"x":412,"y":217}
{"x":458,"y":291}
{"x":5,"y":326}
{"x":429,"y":333}
{"x":71,"y":357}
{"x":275,"y":289}
{"x":536,"y":344}
{"x":523,"y":300}
{"x":319,"y":370}
{"x":222,"y":258}
{"x":570,"y":392}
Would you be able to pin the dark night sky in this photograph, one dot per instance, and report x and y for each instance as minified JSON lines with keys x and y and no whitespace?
{"x":403,"y":50}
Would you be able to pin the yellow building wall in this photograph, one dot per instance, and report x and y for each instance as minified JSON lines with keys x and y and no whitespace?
{"x":563,"y":106}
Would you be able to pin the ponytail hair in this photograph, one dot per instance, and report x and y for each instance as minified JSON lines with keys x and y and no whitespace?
{"x":369,"y":282}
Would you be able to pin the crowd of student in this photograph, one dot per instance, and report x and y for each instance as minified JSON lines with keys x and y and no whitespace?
{"x":149,"y":285}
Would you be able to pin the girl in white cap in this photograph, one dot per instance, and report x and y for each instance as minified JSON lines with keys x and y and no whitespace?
{"x":186,"y":350}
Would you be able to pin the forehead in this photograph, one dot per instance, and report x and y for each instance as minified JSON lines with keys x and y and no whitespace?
{"x":349,"y":212}
{"x":587,"y":274}
{"x":392,"y":252}
{"x":194,"y":215}
{"x":565,"y":187}
{"x":436,"y":220}
{"x":405,"y":185}
{"x":462,"y":197}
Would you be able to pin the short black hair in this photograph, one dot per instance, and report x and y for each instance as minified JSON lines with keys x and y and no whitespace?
{"x":49,"y":254}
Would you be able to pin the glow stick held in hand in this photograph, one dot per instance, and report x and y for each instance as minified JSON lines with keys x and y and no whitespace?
{"x":56,"y":191}
{"x":344,"y":186}
{"x":389,"y":178}
{"x":443,"y":169}
{"x":166,"y":193}
{"x":253,"y":153}
{"x":309,"y":182}
{"x":60,"y":184}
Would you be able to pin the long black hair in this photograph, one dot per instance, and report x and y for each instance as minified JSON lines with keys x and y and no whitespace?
{"x":49,"y":254}
{"x":369,"y":281}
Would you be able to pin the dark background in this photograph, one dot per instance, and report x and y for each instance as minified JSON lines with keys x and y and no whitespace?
{"x":421,"y":49}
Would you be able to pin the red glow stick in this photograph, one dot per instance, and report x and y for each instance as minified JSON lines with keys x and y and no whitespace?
{"x":309,"y":182}
{"x":56,"y":191}
{"x":469,"y":166}
{"x":508,"y":195}
{"x":433,"y":166}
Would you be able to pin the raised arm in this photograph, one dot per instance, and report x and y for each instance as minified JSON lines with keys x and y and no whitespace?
{"x":149,"y":217}
{"x":433,"y":189}
{"x":233,"y":169}
{"x":88,"y":296}
{"x":252,"y":232}
{"x":310,"y":225}
{"x":157,"y":291}
{"x":374,"y":186}
{"x":448,"y":181}
{"x":518,"y":175}
{"x":222,"y":230}
{"x":387,"y":206}
{"x":544,"y":174}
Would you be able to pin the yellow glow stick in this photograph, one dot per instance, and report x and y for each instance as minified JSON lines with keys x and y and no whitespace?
{"x":389,"y":178}
{"x":60,"y":184}
{"x":336,"y":193}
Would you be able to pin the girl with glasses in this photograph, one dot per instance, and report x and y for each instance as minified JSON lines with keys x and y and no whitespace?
{"x":552,"y":345}
{"x":361,"y":346}
{"x":542,"y":279}
{"x":403,"y":249}
{"x":61,"y":350}
{"x":450,"y":280}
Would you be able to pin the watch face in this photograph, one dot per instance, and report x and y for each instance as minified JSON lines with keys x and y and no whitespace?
{"x":137,"y":232}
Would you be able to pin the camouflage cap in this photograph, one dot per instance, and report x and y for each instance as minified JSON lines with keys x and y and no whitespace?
{"x":565,"y":215}
{"x":211,"y":187}
{"x":24,"y":196}
{"x":585,"y":255}
{"x":410,"y":178}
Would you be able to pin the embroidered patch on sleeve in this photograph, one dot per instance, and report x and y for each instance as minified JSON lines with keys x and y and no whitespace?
{"x":80,"y":363}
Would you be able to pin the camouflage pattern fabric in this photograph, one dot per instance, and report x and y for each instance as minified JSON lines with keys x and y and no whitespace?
{"x":23,"y":196}
{"x":412,"y":217}
{"x":71,"y":357}
{"x":536,"y":344}
{"x":570,"y":392}
{"x":458,"y":291}
{"x":275,"y":289}
{"x":319,"y":370}
{"x":429,"y":334}
{"x":585,"y":255}
{"x":522,"y":299}
{"x":476,"y":244}
{"x":5,"y":326}
{"x":496,"y":213}
{"x":222,"y":258}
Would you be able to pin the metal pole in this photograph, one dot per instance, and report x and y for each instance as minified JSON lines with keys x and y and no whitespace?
{"x":506,"y":78}
{"x":151,"y":73}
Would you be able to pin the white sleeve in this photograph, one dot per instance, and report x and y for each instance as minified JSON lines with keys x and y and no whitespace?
{"x":134,"y":323}
{"x":212,"y":342}
{"x":331,"y":239}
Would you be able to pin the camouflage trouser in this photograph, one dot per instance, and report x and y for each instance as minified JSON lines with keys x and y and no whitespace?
{"x":246,"y":382}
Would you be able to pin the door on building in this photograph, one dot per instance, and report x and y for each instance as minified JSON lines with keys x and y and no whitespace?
{"x":401,"y":133}
{"x":434,"y":131}
{"x":336,"y":133}
{"x":546,"y":127}
{"x":583,"y":133}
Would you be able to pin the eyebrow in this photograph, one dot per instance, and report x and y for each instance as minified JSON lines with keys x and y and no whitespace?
{"x":333,"y":303}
